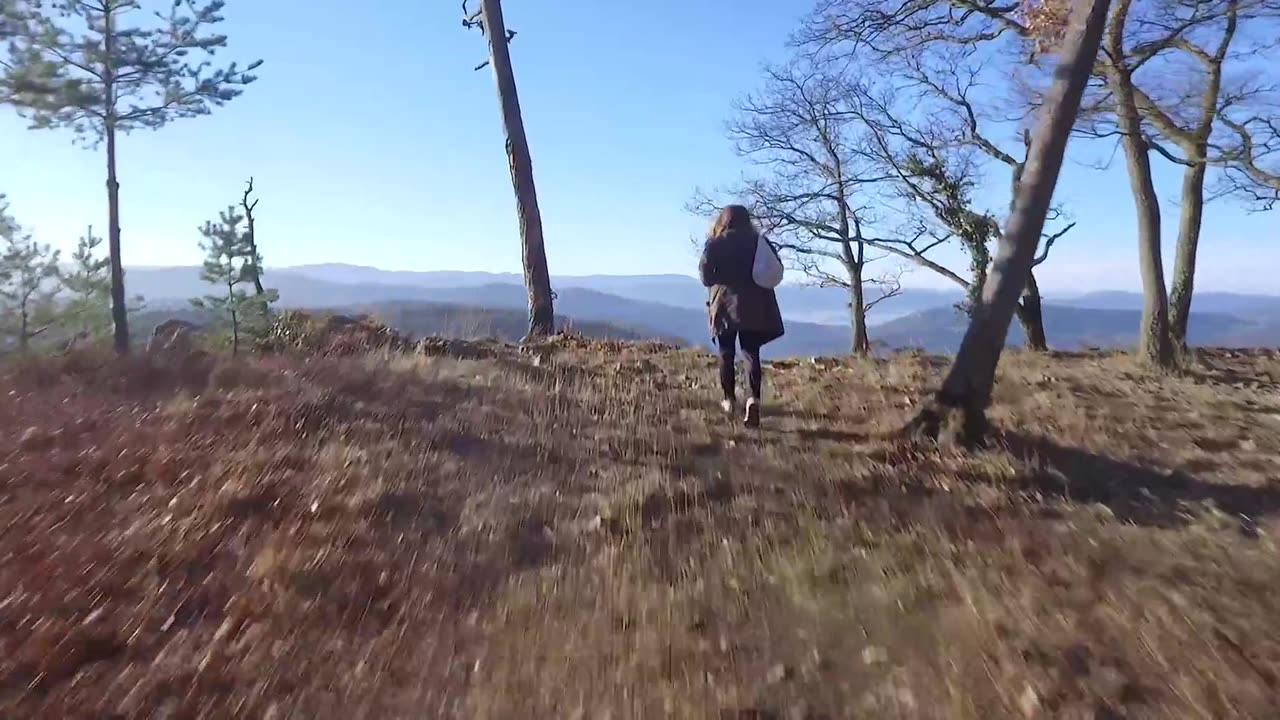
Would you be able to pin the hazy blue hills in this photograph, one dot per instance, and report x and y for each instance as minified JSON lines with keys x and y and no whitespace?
{"x":472,"y":304}
{"x":421,"y":319}
{"x":1071,"y":328}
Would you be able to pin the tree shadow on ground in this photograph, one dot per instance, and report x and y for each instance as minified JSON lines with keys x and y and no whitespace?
{"x":1139,"y":494}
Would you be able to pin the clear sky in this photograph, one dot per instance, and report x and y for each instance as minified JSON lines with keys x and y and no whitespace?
{"x":373,"y":142}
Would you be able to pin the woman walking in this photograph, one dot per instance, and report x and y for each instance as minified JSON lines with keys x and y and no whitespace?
{"x":740,"y":311}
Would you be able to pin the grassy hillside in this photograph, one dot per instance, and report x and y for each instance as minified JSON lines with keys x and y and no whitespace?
{"x":574,"y":531}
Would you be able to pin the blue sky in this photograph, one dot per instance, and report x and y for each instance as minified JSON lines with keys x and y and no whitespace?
{"x":373,"y":142}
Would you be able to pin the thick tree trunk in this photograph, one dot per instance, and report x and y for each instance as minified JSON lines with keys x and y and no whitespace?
{"x":119,"y":311}
{"x":858,"y":314}
{"x":1029,"y":311}
{"x":971,"y":378}
{"x":853,"y":265}
{"x":1031,"y":315}
{"x":1184,"y":263}
{"x":537,"y":279}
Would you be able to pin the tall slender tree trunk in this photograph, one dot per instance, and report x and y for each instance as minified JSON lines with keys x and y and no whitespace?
{"x":1184,"y":262}
{"x":1154,"y":346}
{"x":968,"y":384}
{"x":1196,"y":147}
{"x":119,"y":310}
{"x":1031,"y":315}
{"x":537,"y":279}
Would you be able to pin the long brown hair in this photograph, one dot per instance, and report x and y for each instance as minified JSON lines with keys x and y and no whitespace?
{"x":732,"y":219}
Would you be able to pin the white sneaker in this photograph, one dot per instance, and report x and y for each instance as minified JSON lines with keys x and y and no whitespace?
{"x":752,"y":420}
{"x":729,"y":406}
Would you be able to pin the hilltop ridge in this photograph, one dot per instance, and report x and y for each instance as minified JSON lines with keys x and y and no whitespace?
{"x":573,"y":528}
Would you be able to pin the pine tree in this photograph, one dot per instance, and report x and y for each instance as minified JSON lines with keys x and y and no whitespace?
{"x":88,"y":283}
{"x":102,"y":67}
{"x":230,"y":264}
{"x":28,"y":282}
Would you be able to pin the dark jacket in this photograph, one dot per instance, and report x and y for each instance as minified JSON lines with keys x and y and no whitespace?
{"x":736,"y":302}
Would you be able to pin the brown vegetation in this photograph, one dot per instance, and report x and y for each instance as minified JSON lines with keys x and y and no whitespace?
{"x":572,"y":530}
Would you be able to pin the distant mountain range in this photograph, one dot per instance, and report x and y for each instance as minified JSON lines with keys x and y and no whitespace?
{"x":420,"y":319}
{"x":673,"y":307}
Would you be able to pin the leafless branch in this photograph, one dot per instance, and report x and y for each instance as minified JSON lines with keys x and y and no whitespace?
{"x":1048,"y":241}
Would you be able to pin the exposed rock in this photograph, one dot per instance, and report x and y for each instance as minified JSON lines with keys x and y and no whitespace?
{"x":173,"y":335}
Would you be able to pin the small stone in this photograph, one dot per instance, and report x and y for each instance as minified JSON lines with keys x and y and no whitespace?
{"x":33,"y":438}
{"x":1029,"y":702}
{"x":874,"y":655}
{"x":778,"y":673}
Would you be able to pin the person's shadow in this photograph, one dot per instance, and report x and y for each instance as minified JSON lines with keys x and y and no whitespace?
{"x":1134,"y":493}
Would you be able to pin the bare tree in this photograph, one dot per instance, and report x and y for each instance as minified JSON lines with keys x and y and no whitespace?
{"x":812,"y":185}
{"x":1125,"y":104}
{"x":251,"y":239}
{"x":935,"y":164}
{"x":968,"y":384}
{"x":1165,"y":84}
{"x":537,"y":279}
{"x":1155,"y":345}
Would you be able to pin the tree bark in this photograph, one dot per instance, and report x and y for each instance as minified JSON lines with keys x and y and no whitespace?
{"x":1031,"y":316}
{"x":536,"y":276}
{"x":968,"y":384}
{"x":1029,"y":312}
{"x":857,"y":309}
{"x":1184,"y":263}
{"x":119,"y":310}
{"x":251,"y":236}
{"x":1154,"y":346}
{"x":24,"y":340}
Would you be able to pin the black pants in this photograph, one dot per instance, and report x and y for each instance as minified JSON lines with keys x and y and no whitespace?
{"x":750,"y":343}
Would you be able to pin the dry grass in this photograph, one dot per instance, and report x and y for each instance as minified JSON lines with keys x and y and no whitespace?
{"x":574,"y":533}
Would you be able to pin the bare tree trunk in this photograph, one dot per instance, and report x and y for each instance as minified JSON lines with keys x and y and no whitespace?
{"x":252,"y":238}
{"x":537,"y":279}
{"x":24,"y":339}
{"x":858,"y":314}
{"x":1184,"y":263}
{"x":119,"y":311}
{"x":853,"y":265}
{"x":971,"y":378}
{"x":1029,"y":312}
{"x":1031,"y":315}
{"x":1154,"y":347}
